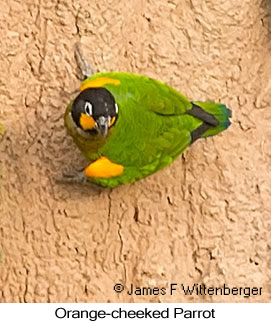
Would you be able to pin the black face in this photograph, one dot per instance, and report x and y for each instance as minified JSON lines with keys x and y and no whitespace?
{"x":95,"y":109}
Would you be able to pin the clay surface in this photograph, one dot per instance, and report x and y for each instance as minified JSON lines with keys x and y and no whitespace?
{"x":205,"y":219}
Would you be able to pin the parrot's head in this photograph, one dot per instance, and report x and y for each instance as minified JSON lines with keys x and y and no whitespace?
{"x":95,"y":110}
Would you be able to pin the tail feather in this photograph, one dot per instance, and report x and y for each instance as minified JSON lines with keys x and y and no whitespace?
{"x":219,"y":122}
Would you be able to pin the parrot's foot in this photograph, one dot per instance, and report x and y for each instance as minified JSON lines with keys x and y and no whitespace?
{"x":84,"y":67}
{"x":79,"y":177}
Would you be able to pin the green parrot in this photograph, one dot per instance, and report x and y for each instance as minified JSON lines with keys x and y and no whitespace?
{"x":129,"y":126}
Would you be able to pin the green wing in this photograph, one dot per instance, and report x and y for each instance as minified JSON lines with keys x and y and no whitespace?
{"x":205,"y":118}
{"x":166,"y":125}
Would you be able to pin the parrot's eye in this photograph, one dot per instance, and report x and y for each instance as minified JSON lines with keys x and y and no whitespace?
{"x":88,"y":109}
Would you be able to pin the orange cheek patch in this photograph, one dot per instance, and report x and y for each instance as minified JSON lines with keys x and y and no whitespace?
{"x":99,"y":82}
{"x":103,"y":168}
{"x":87,"y":123}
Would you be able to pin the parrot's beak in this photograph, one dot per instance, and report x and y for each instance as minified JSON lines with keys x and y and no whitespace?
{"x":102,"y":125}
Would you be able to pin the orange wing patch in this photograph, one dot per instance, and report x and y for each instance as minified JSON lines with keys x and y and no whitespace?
{"x":99,"y":82}
{"x":103,"y":168}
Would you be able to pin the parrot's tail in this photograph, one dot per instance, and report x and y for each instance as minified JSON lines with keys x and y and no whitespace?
{"x":215,"y":117}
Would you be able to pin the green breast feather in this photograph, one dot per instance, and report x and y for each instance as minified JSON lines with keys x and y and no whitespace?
{"x":155,"y":124}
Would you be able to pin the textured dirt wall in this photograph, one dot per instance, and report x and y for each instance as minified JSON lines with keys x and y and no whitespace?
{"x":206,"y":219}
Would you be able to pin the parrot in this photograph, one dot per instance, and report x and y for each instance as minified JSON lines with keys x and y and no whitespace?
{"x":130,"y":126}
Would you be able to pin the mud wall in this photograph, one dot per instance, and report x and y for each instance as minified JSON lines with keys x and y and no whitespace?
{"x":205,"y":219}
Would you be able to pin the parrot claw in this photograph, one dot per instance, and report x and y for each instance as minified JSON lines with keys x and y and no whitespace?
{"x":79,"y":177}
{"x":84,"y":67}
